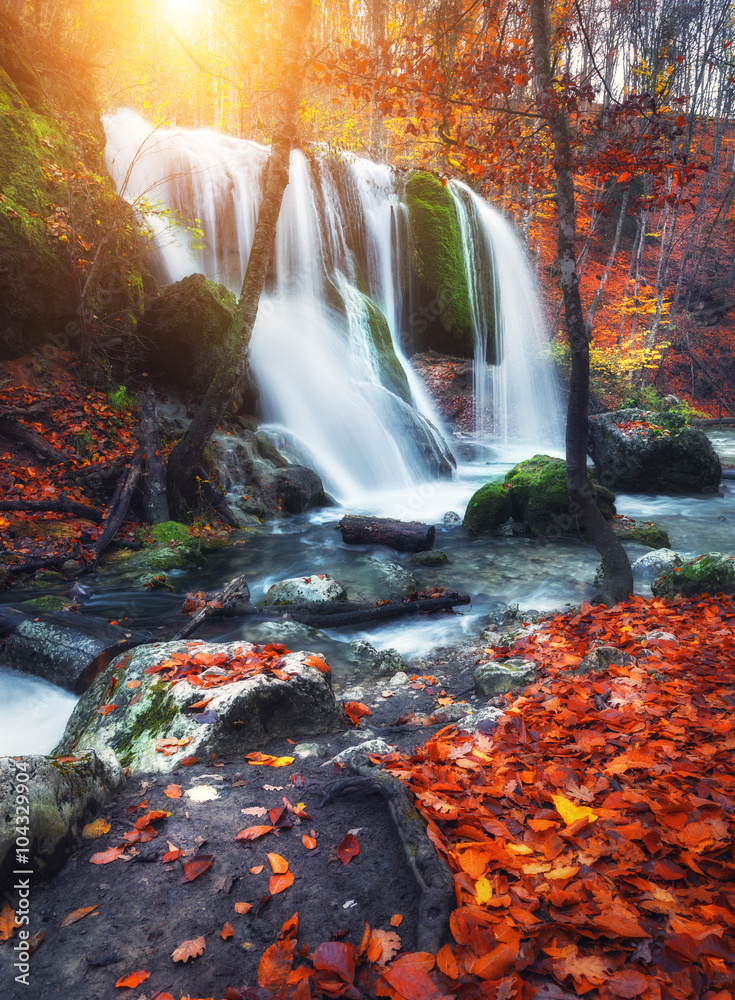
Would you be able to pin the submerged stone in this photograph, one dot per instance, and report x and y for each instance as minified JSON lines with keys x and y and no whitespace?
{"x":305,"y":590}
{"x":500,"y":678}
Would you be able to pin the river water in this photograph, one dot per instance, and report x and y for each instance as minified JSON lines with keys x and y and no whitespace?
{"x":495,"y":571}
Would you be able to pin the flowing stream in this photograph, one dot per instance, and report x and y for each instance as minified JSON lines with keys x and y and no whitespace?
{"x":330,"y":355}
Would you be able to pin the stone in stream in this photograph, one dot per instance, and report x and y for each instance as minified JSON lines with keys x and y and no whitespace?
{"x":305,"y":590}
{"x":241,"y":715}
{"x":639,"y":450}
{"x":652,"y":564}
{"x":499,"y":678}
{"x":711,"y":573}
{"x":62,"y":795}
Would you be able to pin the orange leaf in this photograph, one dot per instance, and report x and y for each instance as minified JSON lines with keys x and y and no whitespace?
{"x":446,"y":962}
{"x":280,"y":882}
{"x":354,"y":710}
{"x":172,"y":791}
{"x":243,"y":907}
{"x":189,"y":949}
{"x":194,"y":868}
{"x":318,"y":663}
{"x":268,"y":760}
{"x":188,"y":761}
{"x":97,"y":828}
{"x":133,"y":684}
{"x":390,"y":945}
{"x":396,"y":920}
{"x":278,"y":864}
{"x":308,"y":842}
{"x":227,"y":931}
{"x":105,"y":709}
{"x":253,"y":832}
{"x":348,"y":849}
{"x":133,"y":979}
{"x":105,"y":857}
{"x":257,"y":870}
{"x":7,"y":923}
{"x":276,"y":963}
{"x":78,"y":914}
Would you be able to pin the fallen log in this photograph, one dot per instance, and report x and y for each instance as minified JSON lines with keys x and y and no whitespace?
{"x":712,"y":421}
{"x":321,"y":616}
{"x":18,"y":431}
{"x":120,"y":504}
{"x":61,"y":506}
{"x":404,"y":536}
{"x":236,"y":590}
{"x":155,"y":502}
{"x":63,"y":647}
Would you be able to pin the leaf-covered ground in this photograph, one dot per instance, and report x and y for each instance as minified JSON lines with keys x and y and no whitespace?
{"x":590,"y":836}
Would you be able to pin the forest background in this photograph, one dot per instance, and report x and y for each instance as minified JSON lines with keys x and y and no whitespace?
{"x":448,"y":86}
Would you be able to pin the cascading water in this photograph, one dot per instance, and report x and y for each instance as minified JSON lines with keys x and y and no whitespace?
{"x":328,"y":351}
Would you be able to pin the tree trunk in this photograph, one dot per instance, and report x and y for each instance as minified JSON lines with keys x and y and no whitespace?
{"x":188,"y":452}
{"x":617,"y":575}
{"x":155,"y":503}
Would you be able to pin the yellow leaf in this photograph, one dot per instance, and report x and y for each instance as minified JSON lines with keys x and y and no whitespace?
{"x":570,"y":812}
{"x":95,"y":829}
{"x":483,"y":890}
{"x":518,"y":849}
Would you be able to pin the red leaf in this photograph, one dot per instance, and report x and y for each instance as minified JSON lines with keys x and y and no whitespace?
{"x":194,"y":868}
{"x":354,"y":710}
{"x":348,"y":849}
{"x":133,"y":979}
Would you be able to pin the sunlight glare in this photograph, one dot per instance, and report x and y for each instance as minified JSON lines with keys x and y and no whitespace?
{"x":182,"y":11}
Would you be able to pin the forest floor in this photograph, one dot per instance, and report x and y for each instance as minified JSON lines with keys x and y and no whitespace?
{"x":590,"y":836}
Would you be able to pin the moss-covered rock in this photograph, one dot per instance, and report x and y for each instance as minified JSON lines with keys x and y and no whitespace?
{"x":439,"y":260}
{"x":185,"y":332}
{"x":488,"y":508}
{"x":172,"y":533}
{"x":390,"y":371}
{"x":240,"y":716}
{"x":539,"y":498}
{"x":641,"y":450}
{"x":56,"y":203}
{"x":712,"y":573}
{"x":628,"y":529}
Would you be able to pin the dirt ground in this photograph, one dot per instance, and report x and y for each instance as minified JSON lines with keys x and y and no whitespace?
{"x":146,"y":911}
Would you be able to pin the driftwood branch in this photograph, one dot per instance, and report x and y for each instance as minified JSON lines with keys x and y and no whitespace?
{"x":432,"y":875}
{"x":120,"y":504}
{"x":404,"y":536}
{"x":235,"y":588}
{"x":18,"y":431}
{"x":61,"y":506}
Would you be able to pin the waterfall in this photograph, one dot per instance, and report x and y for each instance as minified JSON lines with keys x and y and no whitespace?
{"x":329,"y":349}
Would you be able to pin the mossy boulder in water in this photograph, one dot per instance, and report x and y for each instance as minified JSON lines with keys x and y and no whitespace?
{"x":241,"y":715}
{"x":640,"y":450}
{"x":535,"y":494}
{"x":488,"y":508}
{"x":712,"y":573}
{"x":445,"y":316}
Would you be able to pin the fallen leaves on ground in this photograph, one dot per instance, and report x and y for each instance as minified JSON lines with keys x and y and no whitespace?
{"x":7,"y":922}
{"x":78,"y":914}
{"x":348,"y":849}
{"x":189,"y":949}
{"x":97,"y":828}
{"x":354,"y":710}
{"x":268,"y":760}
{"x":194,"y":868}
{"x":133,"y":979}
{"x":105,"y":857}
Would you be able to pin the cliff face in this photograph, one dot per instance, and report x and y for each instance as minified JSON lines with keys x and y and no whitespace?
{"x":71,"y":258}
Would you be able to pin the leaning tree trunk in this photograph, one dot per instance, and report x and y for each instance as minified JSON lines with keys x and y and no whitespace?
{"x":617,"y":575}
{"x":188,"y":452}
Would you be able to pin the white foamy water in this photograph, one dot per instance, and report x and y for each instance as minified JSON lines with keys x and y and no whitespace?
{"x":33,"y":714}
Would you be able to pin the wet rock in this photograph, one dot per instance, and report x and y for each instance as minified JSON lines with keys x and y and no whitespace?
{"x":499,"y":678}
{"x":628,"y":529}
{"x":62,"y":796}
{"x":652,"y":564}
{"x":712,"y":573}
{"x":157,"y":581}
{"x":485,"y":719}
{"x":601,"y":658}
{"x":434,"y":558}
{"x":241,"y":716}
{"x":359,"y":754}
{"x":381,"y":662}
{"x":489,"y":507}
{"x":640,"y":450}
{"x":305,"y":590}
{"x":396,"y":582}
{"x":398,"y":680}
{"x":451,"y":517}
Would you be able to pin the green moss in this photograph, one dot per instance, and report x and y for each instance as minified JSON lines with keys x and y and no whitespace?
{"x":390,"y":370}
{"x":540,"y":498}
{"x":488,"y":508}
{"x":643,"y":532}
{"x":712,"y":573}
{"x":438,"y":254}
{"x":171,"y":533}
{"x":49,"y":602}
{"x":157,"y":713}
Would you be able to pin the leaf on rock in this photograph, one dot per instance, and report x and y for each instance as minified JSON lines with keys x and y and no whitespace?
{"x":227,"y":931}
{"x":172,"y":791}
{"x":280,"y":882}
{"x":105,"y":857}
{"x":308,"y":842}
{"x":354,"y":710}
{"x":97,"y":828}
{"x":396,"y":920}
{"x":279,"y":865}
{"x":243,"y":907}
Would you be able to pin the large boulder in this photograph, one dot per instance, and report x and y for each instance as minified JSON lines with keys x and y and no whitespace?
{"x":653,"y":564}
{"x":242,"y":714}
{"x":712,"y":573}
{"x":60,"y":796}
{"x":535,"y":494}
{"x":184,"y":333}
{"x":640,"y":450}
